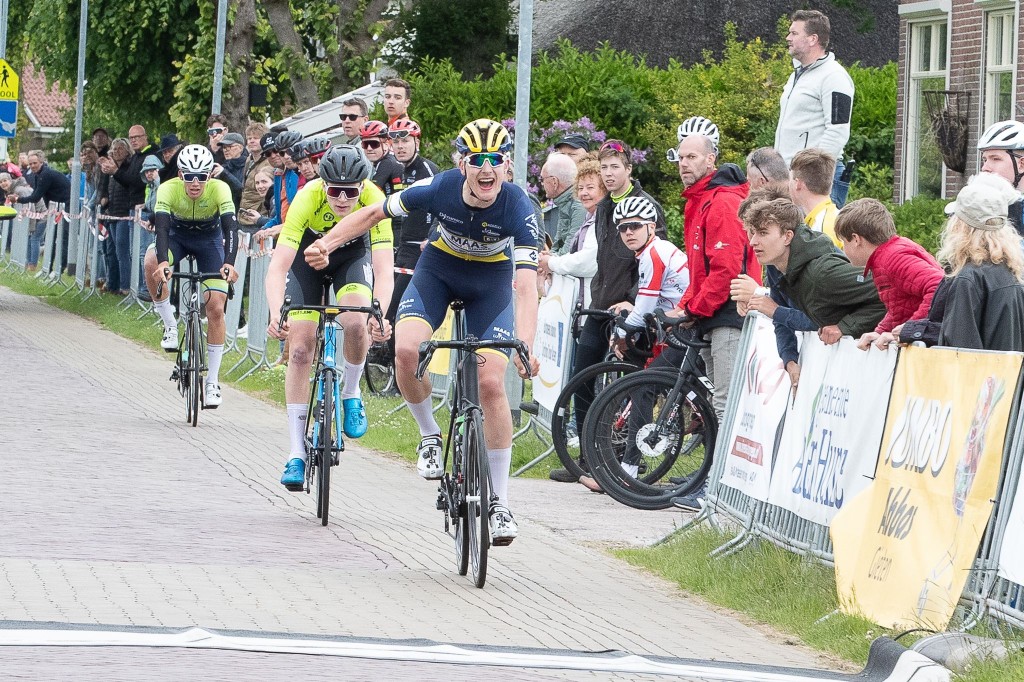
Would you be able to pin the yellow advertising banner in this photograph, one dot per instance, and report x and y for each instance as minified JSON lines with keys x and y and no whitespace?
{"x":904,"y":546}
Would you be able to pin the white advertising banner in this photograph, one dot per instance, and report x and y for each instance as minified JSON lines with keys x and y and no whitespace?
{"x":1011,"y":555}
{"x":553,"y":340}
{"x":759,"y":412}
{"x":829,"y":446}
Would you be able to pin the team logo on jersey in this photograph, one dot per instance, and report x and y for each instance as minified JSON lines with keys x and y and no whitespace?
{"x":720,"y":245}
{"x":329,"y":217}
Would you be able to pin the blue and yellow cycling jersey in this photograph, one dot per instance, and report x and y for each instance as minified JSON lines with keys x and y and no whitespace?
{"x":311,"y":211}
{"x":473,"y":234}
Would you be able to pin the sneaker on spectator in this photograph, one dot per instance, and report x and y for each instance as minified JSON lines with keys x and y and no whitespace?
{"x":211,"y":395}
{"x":294,"y":474}
{"x":503,"y":527}
{"x":572,"y":437}
{"x":693,"y":502}
{"x":562,"y":476}
{"x":242,"y":333}
{"x":429,"y":457}
{"x":169,"y":342}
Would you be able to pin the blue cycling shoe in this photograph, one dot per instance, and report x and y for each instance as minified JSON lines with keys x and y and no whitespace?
{"x":355,"y":417}
{"x":294,"y":475}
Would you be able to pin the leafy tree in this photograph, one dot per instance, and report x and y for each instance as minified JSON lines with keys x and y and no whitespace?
{"x":470,"y":36}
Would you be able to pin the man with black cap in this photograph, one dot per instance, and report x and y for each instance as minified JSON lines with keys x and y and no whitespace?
{"x":575,"y":146}
{"x":101,"y":138}
{"x":170,"y":145}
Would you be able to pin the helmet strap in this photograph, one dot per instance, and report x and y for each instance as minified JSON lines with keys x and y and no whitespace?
{"x":1017,"y":172}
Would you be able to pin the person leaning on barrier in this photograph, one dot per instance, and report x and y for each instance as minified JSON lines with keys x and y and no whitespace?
{"x":980,"y":304}
{"x":766,"y":166}
{"x":820,"y":280}
{"x":905,"y":275}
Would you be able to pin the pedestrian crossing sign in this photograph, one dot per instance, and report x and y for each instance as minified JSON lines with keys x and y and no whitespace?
{"x":8,"y":82}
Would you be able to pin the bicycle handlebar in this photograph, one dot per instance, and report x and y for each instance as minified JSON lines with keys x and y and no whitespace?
{"x":194,"y":277}
{"x":671,"y":327}
{"x":333,"y":310}
{"x":471,"y":344}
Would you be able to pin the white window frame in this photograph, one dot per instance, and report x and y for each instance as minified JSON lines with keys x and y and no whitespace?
{"x":914,"y":114}
{"x":997,"y":65}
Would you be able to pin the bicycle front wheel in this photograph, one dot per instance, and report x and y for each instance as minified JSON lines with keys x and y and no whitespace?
{"x":571,"y":408}
{"x":325,"y":446}
{"x":379,"y":370}
{"x":477,"y":493}
{"x":194,"y":343}
{"x":667,"y":435}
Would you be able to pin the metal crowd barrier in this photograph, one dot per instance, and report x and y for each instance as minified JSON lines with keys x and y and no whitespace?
{"x":257,"y":316}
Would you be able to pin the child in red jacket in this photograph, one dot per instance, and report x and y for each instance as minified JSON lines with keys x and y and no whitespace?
{"x":906,"y":275}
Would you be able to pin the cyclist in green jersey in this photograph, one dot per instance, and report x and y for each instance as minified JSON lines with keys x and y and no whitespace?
{"x":195,"y":216}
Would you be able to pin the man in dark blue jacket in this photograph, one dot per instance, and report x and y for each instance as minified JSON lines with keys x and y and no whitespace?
{"x":50,"y":185}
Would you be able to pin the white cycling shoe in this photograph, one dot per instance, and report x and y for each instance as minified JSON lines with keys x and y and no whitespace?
{"x":429,"y":462}
{"x":503,"y":527}
{"x":211,"y":396}
{"x":169,"y":342}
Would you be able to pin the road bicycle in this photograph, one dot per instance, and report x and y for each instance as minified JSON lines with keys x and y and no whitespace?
{"x":324,"y":415}
{"x":658,"y":420}
{"x":190,"y":361}
{"x":465,"y":492}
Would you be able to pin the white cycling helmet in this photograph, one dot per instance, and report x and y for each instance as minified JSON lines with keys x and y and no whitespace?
{"x":698,"y":125}
{"x":1002,"y":135}
{"x":639,"y":208}
{"x":195,"y":158}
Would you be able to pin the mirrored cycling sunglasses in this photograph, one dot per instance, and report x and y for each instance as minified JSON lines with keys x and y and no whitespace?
{"x":478,"y":160}
{"x":195,"y":177}
{"x":672,"y":155}
{"x":632,"y":226}
{"x":338,"y":191}
{"x":398,"y":134}
{"x":370,"y":144}
{"x":214,"y":131}
{"x":614,"y":145}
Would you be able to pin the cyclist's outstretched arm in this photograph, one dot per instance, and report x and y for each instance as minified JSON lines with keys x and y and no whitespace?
{"x":162,"y":227}
{"x":229,"y":226}
{"x":280,"y":263}
{"x":383,"y":275}
{"x":526,"y":313}
{"x":348,"y":228}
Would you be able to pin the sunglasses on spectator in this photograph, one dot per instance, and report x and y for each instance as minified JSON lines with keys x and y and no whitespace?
{"x":195,"y":177}
{"x":214,"y":131}
{"x":758,"y":169}
{"x":614,"y":145}
{"x":370,"y":144}
{"x":478,"y":160}
{"x":338,"y":191}
{"x":349,"y":117}
{"x":632,"y":226}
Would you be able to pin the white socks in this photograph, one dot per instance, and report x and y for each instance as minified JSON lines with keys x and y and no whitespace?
{"x":352,"y":374}
{"x":423,"y":413}
{"x":631,"y":469}
{"x":166,"y":312}
{"x":500,"y":460}
{"x":214,"y":353}
{"x":297,"y":430}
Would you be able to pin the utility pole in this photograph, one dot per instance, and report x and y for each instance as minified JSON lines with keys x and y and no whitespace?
{"x":523,"y":74}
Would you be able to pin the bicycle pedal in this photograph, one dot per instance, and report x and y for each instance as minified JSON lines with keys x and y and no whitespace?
{"x":174,"y":374}
{"x":441,"y":503}
{"x":294,"y":488}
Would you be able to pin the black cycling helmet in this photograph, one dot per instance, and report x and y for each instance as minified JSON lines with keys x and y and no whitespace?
{"x":297,"y":152}
{"x":286,"y":140}
{"x":316,"y":147}
{"x":345,"y":165}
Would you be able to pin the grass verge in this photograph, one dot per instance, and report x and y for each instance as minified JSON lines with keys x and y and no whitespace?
{"x":391,"y":429}
{"x":780,"y":589}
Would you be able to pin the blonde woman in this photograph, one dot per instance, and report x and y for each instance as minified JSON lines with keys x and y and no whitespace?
{"x":984,"y":299}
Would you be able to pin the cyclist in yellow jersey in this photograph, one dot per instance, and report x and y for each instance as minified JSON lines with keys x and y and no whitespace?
{"x":362,"y":267}
{"x":195,"y":216}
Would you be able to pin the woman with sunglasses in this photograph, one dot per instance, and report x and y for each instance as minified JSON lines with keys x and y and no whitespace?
{"x":360,"y":269}
{"x":485,"y":238}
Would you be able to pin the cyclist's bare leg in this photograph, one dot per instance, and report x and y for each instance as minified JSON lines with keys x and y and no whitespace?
{"x":409,"y":334}
{"x":302,"y":342}
{"x":356,"y":343}
{"x":498,"y":421}
{"x":215,"y":327}
{"x":153,"y":279}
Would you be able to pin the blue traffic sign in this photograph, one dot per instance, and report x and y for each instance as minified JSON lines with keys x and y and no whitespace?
{"x":8,"y":117}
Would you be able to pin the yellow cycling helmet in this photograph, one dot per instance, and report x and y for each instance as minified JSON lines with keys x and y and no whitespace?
{"x":483,"y":135}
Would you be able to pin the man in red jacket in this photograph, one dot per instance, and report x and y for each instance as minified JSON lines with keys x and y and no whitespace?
{"x":905,"y":275}
{"x":717,"y":251}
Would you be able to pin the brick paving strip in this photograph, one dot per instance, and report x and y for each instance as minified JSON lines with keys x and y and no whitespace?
{"x":123,"y":515}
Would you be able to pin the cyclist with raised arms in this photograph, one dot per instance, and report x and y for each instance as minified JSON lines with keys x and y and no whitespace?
{"x":195,"y":216}
{"x":359,"y":267}
{"x":486,"y":236}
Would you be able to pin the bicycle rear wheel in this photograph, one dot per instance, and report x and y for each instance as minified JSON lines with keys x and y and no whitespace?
{"x":379,"y":370}
{"x":623,"y":424}
{"x":566,"y":428}
{"x":324,"y":451}
{"x":476,"y":488}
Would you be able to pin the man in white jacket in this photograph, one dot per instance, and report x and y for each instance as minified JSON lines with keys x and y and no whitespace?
{"x":817,"y":102}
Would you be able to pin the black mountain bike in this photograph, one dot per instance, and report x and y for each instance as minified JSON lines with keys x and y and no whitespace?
{"x":464,"y":494}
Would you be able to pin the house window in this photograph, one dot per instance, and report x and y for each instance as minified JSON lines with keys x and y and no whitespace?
{"x":928,"y":71}
{"x":1000,"y":51}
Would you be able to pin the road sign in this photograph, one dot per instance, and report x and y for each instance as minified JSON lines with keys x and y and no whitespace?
{"x":8,"y":82}
{"x":8,"y":118}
